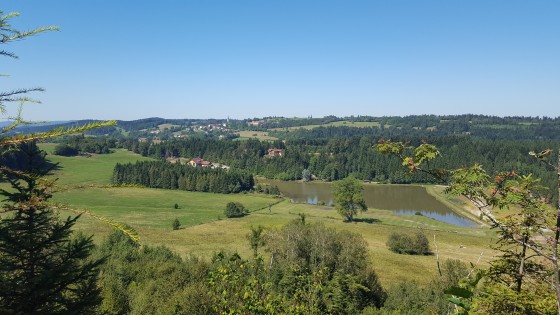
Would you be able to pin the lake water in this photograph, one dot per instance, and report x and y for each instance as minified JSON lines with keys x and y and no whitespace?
{"x":402,"y":199}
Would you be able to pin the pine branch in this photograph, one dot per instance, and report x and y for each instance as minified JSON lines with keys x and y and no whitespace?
{"x":20,"y":35}
{"x":7,"y":95}
{"x":56,"y":132}
{"x":129,"y":231}
{"x":8,"y":54}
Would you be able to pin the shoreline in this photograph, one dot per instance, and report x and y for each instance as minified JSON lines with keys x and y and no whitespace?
{"x":465,"y":211}
{"x":436,"y":191}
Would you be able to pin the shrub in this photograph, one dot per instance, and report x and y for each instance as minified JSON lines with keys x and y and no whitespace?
{"x":65,"y":150}
{"x":176,"y":224}
{"x":403,"y":243}
{"x":235,"y":209}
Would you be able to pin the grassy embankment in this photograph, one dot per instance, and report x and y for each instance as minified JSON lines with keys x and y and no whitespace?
{"x":205,"y":230}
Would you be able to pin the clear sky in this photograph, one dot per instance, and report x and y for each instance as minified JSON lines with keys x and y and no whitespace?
{"x":126,"y":59}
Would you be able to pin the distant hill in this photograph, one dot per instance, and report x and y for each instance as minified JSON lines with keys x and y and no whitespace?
{"x":426,"y":126}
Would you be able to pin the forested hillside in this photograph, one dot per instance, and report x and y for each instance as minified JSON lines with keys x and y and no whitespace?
{"x":337,"y":158}
{"x":479,"y":126}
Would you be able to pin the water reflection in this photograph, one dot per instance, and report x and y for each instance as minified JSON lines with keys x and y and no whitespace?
{"x":402,"y":199}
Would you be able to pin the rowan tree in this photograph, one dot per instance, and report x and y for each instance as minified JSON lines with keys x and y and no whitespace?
{"x":524,"y":237}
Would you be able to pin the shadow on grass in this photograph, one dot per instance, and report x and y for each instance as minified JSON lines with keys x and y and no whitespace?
{"x":366,"y":220}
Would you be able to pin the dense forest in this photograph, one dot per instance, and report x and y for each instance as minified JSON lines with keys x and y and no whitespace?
{"x":160,"y":174}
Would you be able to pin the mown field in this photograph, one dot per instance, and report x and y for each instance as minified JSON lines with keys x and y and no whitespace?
{"x":205,"y":230}
{"x":260,"y":135}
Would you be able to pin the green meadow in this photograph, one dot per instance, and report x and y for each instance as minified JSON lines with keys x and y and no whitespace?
{"x":84,"y":186}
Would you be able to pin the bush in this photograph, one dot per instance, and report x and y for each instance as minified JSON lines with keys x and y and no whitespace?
{"x":403,"y":243}
{"x":176,"y":224}
{"x":65,"y":150}
{"x":235,"y":209}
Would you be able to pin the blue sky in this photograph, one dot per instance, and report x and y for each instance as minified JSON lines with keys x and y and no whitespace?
{"x":212,"y":59}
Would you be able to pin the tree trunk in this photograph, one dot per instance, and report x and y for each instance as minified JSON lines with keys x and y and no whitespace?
{"x":521,"y":271}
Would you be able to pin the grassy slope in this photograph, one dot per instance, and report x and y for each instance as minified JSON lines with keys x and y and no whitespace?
{"x":205,"y":230}
{"x":260,"y":135}
{"x":96,"y":169}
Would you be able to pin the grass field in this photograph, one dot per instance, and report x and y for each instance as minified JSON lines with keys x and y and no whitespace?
{"x":94,"y":169}
{"x":205,"y":230}
{"x":261,"y":135}
{"x":162,"y":127}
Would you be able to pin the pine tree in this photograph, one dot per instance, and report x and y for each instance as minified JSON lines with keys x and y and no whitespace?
{"x":43,"y":267}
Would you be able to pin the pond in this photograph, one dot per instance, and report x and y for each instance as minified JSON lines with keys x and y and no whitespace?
{"x":402,"y":199}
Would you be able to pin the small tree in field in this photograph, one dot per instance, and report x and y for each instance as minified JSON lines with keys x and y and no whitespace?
{"x":176,"y":224}
{"x":403,"y":243}
{"x":349,"y":197}
{"x":235,"y":209}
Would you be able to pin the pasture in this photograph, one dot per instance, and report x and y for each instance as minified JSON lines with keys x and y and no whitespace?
{"x":205,"y":230}
{"x":260,"y":135}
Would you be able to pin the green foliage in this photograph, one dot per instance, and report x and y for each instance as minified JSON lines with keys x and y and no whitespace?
{"x":409,"y":298}
{"x":44,"y":268}
{"x":322,"y":270}
{"x":238,"y":286}
{"x":404,"y":243}
{"x":176,"y":206}
{"x":74,"y":145}
{"x":462,"y":293}
{"x":162,"y":174}
{"x":256,"y":239}
{"x":452,"y":272}
{"x":497,"y":298}
{"x":389,"y":147}
{"x":425,"y":152}
{"x":65,"y":150}
{"x":235,"y":209}
{"x":306,"y":175}
{"x":349,"y":197}
{"x":151,"y":280}
{"x":176,"y":224}
{"x":521,"y":263}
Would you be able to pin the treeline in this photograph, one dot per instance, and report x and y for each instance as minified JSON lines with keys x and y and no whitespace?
{"x":337,"y":158}
{"x":79,"y":144}
{"x":161,"y":174}
{"x":546,"y":130}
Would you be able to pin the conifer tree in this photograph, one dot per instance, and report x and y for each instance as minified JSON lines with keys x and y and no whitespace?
{"x":44,"y":269}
